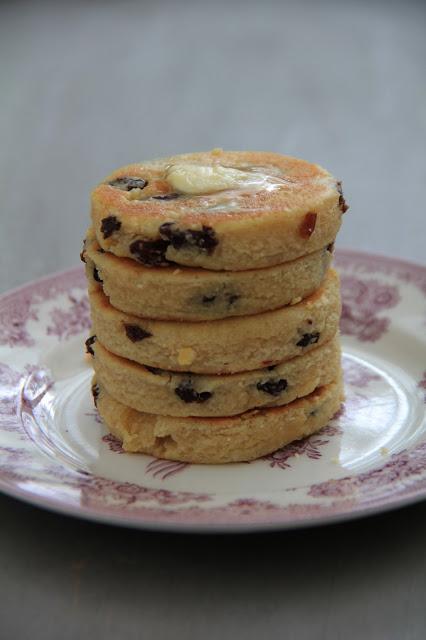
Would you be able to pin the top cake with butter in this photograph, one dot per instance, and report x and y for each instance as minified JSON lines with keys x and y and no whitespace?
{"x":219,"y":210}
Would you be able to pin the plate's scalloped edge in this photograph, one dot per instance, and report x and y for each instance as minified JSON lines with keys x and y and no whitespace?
{"x":189,"y":520}
{"x":366,"y":256}
{"x":68,"y":278}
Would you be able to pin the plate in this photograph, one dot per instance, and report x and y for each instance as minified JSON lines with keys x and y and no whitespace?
{"x":55,"y":452}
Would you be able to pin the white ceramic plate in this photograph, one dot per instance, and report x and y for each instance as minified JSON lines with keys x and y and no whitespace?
{"x":55,"y":453}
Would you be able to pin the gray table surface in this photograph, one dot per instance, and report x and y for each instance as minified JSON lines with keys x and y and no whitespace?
{"x":86,"y":87}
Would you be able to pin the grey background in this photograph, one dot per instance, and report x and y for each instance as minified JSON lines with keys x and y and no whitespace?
{"x":88,"y":86}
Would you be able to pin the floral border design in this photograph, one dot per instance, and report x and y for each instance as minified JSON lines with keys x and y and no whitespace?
{"x":362,"y":301}
{"x":72,"y":321}
{"x":19,"y":306}
{"x":308,"y":446}
{"x":365,"y":263}
{"x":403,"y":467}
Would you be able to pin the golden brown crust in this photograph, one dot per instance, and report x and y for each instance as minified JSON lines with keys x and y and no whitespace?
{"x":219,"y":440}
{"x":221,"y":346}
{"x":251,"y":229}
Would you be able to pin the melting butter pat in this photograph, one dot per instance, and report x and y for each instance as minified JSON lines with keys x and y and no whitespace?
{"x":199,"y":179}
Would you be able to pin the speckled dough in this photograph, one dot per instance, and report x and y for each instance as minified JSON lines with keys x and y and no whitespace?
{"x":217,"y":440}
{"x":296,"y":213}
{"x":220,"y":346}
{"x":198,"y":294}
{"x":174,"y":394}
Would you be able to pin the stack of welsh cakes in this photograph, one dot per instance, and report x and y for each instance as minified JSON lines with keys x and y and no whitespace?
{"x":214,"y":308}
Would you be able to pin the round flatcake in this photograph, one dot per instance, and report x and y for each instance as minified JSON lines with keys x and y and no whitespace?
{"x":219,"y":210}
{"x":189,"y":294}
{"x":182,"y":394}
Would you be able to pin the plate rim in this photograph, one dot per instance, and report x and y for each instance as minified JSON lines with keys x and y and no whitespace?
{"x":159,"y":525}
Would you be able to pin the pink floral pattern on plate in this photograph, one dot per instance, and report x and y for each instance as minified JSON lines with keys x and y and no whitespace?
{"x":165,"y":468}
{"x":309,"y":447}
{"x":9,"y":397}
{"x":422,"y":385}
{"x":358,"y":376}
{"x":72,"y":321}
{"x":19,"y":307}
{"x":113,"y":443}
{"x":13,"y":322}
{"x":55,"y":309}
{"x":402,"y":467}
{"x":362,"y":300}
